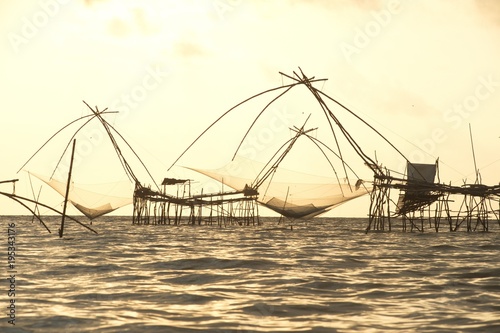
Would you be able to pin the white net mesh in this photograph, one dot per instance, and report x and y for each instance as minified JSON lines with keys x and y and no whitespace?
{"x":290,"y":193}
{"x":93,"y":200}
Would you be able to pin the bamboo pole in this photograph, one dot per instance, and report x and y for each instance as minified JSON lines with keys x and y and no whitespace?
{"x":61,"y":229}
{"x":284,"y":203}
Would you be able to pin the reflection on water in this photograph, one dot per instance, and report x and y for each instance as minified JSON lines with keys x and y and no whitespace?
{"x":324,"y":276}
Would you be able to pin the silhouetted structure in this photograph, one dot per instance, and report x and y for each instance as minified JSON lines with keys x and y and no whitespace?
{"x":422,"y":201}
{"x":224,"y":208}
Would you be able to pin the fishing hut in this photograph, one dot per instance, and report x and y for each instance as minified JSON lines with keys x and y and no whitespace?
{"x":422,"y":202}
{"x":416,"y":192}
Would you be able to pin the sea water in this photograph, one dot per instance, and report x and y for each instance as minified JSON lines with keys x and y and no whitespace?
{"x":324,"y":275}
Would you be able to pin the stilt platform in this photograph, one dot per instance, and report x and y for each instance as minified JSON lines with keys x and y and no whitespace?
{"x":423,"y":204}
{"x":222,"y":208}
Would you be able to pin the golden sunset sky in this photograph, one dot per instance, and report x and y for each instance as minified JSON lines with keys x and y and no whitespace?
{"x":419,"y":71}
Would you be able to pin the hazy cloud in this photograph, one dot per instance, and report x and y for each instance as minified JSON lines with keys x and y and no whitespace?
{"x":490,"y":10}
{"x":186,"y":49}
{"x":361,"y":4}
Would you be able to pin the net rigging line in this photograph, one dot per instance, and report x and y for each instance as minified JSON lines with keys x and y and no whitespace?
{"x":324,"y":107}
{"x":126,"y":166}
{"x":59,"y":131}
{"x":302,"y":79}
{"x":272,"y":170}
{"x":96,"y":113}
{"x":287,"y":87}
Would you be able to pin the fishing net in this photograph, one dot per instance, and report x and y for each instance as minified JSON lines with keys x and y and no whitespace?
{"x":93,"y":200}
{"x":290,"y":193}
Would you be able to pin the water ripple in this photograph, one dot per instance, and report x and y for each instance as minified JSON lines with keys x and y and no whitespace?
{"x":322,"y":276}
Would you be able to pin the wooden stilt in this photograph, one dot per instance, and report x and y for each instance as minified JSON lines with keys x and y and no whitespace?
{"x":61,"y":229}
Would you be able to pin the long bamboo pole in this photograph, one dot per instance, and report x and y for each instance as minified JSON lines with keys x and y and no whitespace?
{"x":61,"y":230}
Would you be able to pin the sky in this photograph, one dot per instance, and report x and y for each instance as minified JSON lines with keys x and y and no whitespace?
{"x":423,"y":73}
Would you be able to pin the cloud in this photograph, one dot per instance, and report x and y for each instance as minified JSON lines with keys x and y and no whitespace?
{"x":187,"y":49}
{"x":360,"y":4}
{"x":137,"y":22}
{"x":490,"y":10}
{"x":118,"y":27}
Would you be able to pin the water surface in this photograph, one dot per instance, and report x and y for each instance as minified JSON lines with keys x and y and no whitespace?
{"x":325,"y":275}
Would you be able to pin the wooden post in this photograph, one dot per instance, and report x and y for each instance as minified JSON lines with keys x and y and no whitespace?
{"x":284,"y":204}
{"x":61,"y":230}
